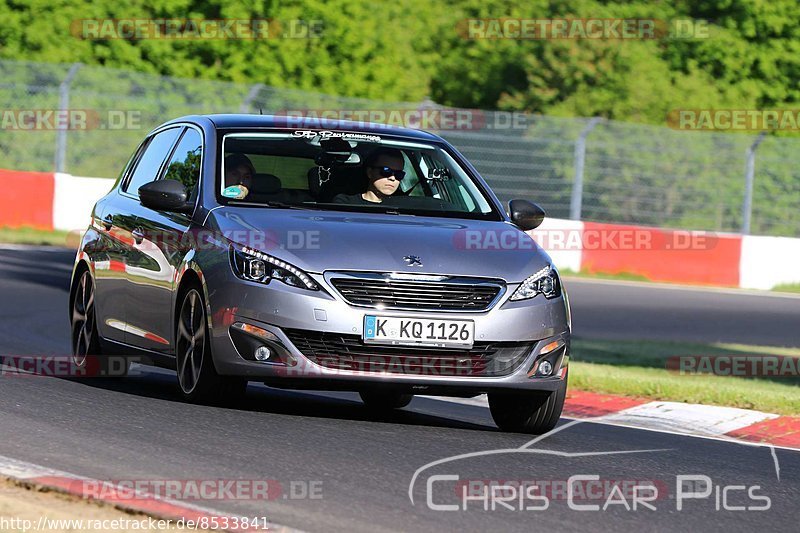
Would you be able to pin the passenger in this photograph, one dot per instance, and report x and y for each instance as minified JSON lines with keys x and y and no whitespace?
{"x":384,"y":169}
{"x":239,"y":171}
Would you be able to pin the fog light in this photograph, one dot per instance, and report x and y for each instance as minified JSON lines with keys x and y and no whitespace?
{"x":545,"y":368}
{"x":262,"y":353}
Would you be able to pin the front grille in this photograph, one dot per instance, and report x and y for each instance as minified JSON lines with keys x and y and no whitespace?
{"x":376,"y":291}
{"x":348,"y":352}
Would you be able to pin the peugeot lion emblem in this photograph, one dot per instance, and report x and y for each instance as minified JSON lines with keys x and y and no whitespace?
{"x":413,"y":260}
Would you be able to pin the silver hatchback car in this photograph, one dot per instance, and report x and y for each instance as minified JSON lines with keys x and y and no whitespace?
{"x":331,"y":256}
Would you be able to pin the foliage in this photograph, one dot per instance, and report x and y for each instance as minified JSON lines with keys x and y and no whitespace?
{"x":410,"y":49}
{"x":748,"y":60}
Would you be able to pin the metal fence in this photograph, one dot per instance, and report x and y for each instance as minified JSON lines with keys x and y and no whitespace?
{"x":590,"y":169}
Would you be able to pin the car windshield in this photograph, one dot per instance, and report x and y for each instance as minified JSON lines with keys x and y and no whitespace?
{"x":348,"y":171}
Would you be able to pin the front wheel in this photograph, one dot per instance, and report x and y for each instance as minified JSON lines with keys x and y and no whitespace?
{"x":197,"y":377}
{"x":532,"y":412}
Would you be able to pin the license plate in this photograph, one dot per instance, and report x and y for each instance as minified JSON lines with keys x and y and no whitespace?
{"x":418,"y":331}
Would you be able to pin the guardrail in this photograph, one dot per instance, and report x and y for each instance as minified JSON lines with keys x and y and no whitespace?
{"x":576,"y":168}
{"x":64,"y":202}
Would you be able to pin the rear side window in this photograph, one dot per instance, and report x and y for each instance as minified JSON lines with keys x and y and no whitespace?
{"x":147,"y":168}
{"x":184,"y":166}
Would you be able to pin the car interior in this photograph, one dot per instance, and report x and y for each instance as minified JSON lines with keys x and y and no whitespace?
{"x":306,"y":172}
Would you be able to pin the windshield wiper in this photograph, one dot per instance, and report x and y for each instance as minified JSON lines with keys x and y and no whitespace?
{"x":357,"y":208}
{"x":282,"y":205}
{"x":267,"y":203}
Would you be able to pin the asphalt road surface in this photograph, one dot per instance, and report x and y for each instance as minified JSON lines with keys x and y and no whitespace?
{"x":359,"y":467}
{"x":622,"y":310}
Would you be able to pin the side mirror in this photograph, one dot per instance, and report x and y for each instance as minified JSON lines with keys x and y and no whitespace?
{"x":527,"y":215}
{"x":165,"y":195}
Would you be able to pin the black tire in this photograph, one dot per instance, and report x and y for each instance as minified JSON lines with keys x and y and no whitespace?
{"x":385,"y":400}
{"x":533,"y":412}
{"x":87,"y":354}
{"x":198,"y":380}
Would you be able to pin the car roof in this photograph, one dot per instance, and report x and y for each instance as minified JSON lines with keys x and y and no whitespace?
{"x":233,"y":121}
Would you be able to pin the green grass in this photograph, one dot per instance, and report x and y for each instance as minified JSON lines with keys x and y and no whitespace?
{"x":787,"y":287}
{"x":27,"y":235}
{"x":622,"y":276}
{"x":638,"y":368}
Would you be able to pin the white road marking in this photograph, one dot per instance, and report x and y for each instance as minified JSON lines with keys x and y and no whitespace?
{"x":21,"y":470}
{"x":708,"y":420}
{"x":663,"y":425}
{"x":24,"y":471}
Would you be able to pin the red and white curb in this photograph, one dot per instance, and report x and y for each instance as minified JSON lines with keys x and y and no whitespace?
{"x":708,"y":421}
{"x":118,"y":497}
{"x":49,"y":200}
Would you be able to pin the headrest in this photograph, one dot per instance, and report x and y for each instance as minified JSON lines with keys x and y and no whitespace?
{"x":265,"y":184}
{"x":340,"y":179}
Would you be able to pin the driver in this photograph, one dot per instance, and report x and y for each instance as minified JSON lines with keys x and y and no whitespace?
{"x":384,"y":169}
{"x":239,"y":171}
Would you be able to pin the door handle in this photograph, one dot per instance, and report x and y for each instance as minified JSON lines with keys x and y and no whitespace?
{"x":108,"y":221}
{"x":138,"y":235}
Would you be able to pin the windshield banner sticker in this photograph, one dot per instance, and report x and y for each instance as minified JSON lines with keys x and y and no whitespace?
{"x":326,"y":134}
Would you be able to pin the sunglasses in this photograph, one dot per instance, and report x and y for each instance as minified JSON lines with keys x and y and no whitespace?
{"x":389,"y":171}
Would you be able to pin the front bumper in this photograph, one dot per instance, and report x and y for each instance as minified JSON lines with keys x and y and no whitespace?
{"x":278,"y":309}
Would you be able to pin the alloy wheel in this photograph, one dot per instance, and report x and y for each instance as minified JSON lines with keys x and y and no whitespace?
{"x":191,"y":345}
{"x":83,"y":324}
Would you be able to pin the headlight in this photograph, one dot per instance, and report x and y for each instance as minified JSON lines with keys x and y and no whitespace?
{"x":253,"y":265}
{"x":544,"y":282}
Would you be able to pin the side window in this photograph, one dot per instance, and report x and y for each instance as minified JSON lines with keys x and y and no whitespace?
{"x":426,"y":163}
{"x":132,"y":161}
{"x":466,"y":199}
{"x":184,"y":166}
{"x":147,"y":168}
{"x":411,"y":180}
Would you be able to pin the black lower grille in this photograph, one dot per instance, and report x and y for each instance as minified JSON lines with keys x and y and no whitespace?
{"x":348,"y":352}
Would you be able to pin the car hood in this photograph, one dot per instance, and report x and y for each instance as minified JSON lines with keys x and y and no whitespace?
{"x":319,"y":241}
